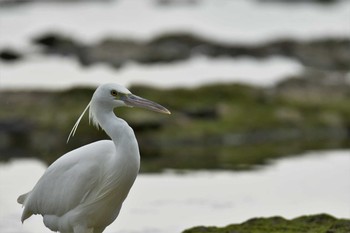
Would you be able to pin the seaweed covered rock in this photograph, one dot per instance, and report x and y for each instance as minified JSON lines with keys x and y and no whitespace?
{"x":221,"y":126}
{"x":321,"y":223}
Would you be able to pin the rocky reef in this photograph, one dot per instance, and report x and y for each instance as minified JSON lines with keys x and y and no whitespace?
{"x":321,"y":223}
{"x":328,"y":53}
{"x":222,"y":126}
{"x":332,"y":54}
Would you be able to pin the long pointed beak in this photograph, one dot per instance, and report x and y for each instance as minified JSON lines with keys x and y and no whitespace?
{"x":136,"y":101}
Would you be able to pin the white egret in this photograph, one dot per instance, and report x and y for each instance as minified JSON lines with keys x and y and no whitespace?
{"x":83,"y":191}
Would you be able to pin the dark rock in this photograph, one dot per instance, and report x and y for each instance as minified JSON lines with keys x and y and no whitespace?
{"x":315,"y":86}
{"x":15,"y":137}
{"x":15,"y":126}
{"x":146,"y":126}
{"x":54,"y":43}
{"x":176,"y":2}
{"x":20,"y":2}
{"x":301,"y":1}
{"x":324,"y":54}
{"x":202,"y":113}
{"x":115,"y":52}
{"x":9,"y":55}
{"x":327,"y":54}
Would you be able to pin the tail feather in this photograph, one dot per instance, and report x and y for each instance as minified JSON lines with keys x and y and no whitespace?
{"x":21,"y":199}
{"x":26,"y":213}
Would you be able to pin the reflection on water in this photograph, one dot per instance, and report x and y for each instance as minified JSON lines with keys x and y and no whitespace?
{"x":171,"y":202}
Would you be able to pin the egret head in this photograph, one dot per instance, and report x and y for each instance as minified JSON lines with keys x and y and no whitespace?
{"x":109,"y":96}
{"x":112,"y":95}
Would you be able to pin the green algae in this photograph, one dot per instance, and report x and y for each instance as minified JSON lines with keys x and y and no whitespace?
{"x":221,"y":126}
{"x":321,"y":223}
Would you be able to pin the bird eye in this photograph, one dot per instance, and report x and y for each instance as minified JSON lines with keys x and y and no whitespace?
{"x":114,"y":92}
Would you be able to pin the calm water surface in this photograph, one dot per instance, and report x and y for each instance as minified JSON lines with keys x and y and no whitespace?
{"x":317,"y":182}
{"x":239,"y":21}
{"x":66,"y":73}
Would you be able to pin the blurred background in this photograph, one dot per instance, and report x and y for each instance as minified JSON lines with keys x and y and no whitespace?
{"x":259,"y":92}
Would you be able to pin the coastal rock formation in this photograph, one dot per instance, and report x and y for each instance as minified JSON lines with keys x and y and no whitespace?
{"x":325,"y":54}
{"x":321,"y":223}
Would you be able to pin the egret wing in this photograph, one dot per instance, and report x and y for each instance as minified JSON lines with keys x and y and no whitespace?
{"x":69,"y":180}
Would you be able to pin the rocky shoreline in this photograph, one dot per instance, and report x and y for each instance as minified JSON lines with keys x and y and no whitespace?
{"x":233,"y":126}
{"x":223,"y":126}
{"x":321,"y":223}
{"x":329,"y":54}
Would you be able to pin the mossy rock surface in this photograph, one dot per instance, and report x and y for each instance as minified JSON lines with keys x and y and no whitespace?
{"x":221,"y":126}
{"x":321,"y":223}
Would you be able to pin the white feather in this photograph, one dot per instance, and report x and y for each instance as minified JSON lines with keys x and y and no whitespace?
{"x":74,"y":129}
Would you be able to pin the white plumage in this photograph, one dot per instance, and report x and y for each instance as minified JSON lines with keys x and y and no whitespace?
{"x":83,"y":191}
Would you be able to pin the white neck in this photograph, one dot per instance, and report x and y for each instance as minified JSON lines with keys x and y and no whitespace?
{"x":119,"y":131}
{"x":111,"y":124}
{"x":125,"y":162}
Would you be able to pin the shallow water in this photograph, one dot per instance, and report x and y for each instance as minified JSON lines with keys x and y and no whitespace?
{"x":246,"y":21}
{"x":239,"y":21}
{"x":316,"y":182}
{"x":60,"y":73}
